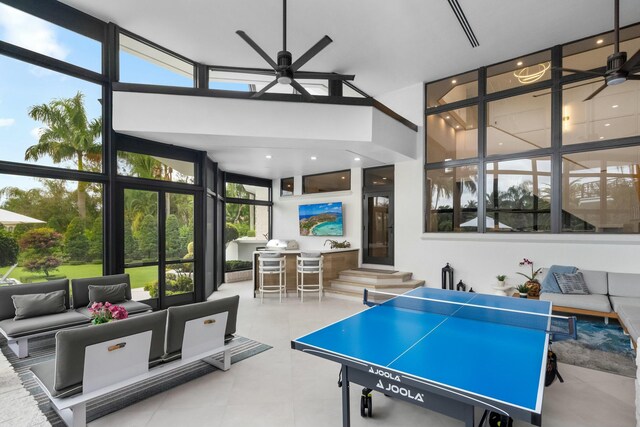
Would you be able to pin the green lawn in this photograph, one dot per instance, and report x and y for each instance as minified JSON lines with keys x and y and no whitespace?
{"x":139,"y":275}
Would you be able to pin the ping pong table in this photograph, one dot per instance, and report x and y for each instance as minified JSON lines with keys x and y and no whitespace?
{"x":443,"y":350}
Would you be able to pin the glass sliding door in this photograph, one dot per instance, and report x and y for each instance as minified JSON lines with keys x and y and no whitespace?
{"x":158,"y":239}
{"x":378,"y":235}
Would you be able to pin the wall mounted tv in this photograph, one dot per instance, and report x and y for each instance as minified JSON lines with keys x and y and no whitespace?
{"x":321,"y":219}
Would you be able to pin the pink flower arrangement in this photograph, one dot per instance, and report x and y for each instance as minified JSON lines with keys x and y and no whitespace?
{"x":528,"y":262}
{"x":106,"y":312}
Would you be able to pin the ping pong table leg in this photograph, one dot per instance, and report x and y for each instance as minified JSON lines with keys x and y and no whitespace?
{"x":346,"y":419}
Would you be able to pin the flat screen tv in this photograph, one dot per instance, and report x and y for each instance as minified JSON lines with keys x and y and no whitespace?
{"x":321,"y":219}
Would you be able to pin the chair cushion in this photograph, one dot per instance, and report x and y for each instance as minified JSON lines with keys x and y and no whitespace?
{"x":71,"y":344}
{"x":585,"y":302}
{"x":132,"y":307}
{"x":46,"y":374}
{"x":630,"y":317}
{"x":8,"y":310}
{"x":616,"y":302}
{"x":33,"y":305}
{"x":270,"y":254}
{"x":108,"y":293}
{"x":624,"y":284}
{"x":177,"y":316}
{"x":572,"y":283}
{"x":49,"y":322}
{"x":80,"y":287}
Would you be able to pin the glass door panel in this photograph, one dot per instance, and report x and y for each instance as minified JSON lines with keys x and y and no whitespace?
{"x":378,"y":211}
{"x":179,"y":237}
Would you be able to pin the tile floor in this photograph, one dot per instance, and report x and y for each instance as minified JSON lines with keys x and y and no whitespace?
{"x":282,"y":387}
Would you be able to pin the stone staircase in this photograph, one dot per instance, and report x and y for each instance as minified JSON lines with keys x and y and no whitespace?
{"x":351,"y":283}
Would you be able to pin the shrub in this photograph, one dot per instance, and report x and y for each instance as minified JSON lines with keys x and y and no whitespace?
{"x":8,"y":249}
{"x":76,"y":243}
{"x":237,"y":265}
{"x":230,"y":234}
{"x":41,"y":250}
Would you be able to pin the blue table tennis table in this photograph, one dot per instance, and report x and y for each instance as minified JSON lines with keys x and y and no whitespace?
{"x":444,"y":350}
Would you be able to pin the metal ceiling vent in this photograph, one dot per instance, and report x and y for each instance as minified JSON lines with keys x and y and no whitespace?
{"x":462,"y":19}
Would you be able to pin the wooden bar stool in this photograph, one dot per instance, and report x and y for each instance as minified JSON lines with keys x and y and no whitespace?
{"x":271,"y":263}
{"x":309,"y":263}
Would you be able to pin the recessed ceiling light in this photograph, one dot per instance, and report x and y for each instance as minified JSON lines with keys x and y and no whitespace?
{"x":268,"y":156}
{"x":357,"y":159}
{"x":384,"y":178}
{"x":448,"y":117}
{"x":313,"y":157}
{"x":614,"y":106}
{"x":342,"y":177}
{"x":500,"y":143}
{"x":454,"y":82}
{"x":457,"y":126}
{"x":599,"y":41}
{"x":519,"y":63}
{"x":375,"y":182}
{"x":607,"y":125}
{"x":602,"y":137}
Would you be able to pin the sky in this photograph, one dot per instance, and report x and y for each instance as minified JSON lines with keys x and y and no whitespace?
{"x":23,"y":85}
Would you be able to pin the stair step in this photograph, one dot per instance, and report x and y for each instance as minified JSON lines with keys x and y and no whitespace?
{"x":409,"y":284}
{"x":341,"y":288}
{"x":374,"y":278}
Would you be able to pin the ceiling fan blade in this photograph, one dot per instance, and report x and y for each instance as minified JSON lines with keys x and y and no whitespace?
{"x":265,"y":89}
{"x":572,"y":70}
{"x":597,"y":91}
{"x":324,"y":76}
{"x":257,"y":48}
{"x":631,"y":62}
{"x":633,"y":77}
{"x":553,"y":91}
{"x":243,"y":70}
{"x":297,"y":86}
{"x":315,"y":49}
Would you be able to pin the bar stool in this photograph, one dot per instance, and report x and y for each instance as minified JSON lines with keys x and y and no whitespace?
{"x":309,"y":263}
{"x":272,"y":263}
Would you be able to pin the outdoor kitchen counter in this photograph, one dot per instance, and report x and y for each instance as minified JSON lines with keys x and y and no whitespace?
{"x":335,"y":261}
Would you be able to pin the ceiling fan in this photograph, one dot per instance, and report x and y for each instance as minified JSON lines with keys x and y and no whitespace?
{"x":619,"y":68}
{"x":284,"y":69}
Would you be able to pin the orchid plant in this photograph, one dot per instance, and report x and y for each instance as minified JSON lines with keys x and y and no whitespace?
{"x":106,"y":312}
{"x":534,"y":273}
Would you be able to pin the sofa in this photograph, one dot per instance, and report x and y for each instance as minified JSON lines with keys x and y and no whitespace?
{"x":157,"y":339}
{"x":612,"y":295}
{"x":75,"y":314}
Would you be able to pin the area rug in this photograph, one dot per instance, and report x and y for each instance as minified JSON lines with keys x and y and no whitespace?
{"x":599,"y":346}
{"x":43,"y":349}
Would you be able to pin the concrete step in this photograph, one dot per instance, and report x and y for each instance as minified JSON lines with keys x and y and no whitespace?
{"x":374,"y":278}
{"x":343,"y":288}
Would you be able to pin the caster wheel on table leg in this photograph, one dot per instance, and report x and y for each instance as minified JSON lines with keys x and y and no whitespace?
{"x":369,"y":406}
{"x":363,"y":406}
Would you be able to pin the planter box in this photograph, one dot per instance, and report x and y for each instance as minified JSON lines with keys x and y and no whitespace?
{"x":238,"y":276}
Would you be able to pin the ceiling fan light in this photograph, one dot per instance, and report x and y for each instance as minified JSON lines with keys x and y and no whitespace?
{"x":285,"y":80}
{"x":616,"y":80}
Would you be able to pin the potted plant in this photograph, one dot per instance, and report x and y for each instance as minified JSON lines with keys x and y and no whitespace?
{"x":106,"y":312}
{"x":523,"y":289}
{"x":501,"y":278}
{"x":533,"y":286}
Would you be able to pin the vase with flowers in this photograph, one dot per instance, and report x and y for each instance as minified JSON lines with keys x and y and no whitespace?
{"x":106,"y":312}
{"x":532,"y":284}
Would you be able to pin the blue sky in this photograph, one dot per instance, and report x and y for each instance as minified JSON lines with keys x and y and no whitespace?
{"x":23,"y":85}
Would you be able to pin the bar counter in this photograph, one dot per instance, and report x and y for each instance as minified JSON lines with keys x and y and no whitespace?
{"x":335,"y":261}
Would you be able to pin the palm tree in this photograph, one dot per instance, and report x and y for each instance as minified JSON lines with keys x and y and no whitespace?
{"x":68,"y":135}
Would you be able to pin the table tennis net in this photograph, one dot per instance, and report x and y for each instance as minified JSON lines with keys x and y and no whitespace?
{"x":560,"y":327}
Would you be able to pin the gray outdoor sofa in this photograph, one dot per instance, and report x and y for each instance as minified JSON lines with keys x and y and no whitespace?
{"x":612,"y":295}
{"x":75,"y":314}
{"x":108,"y":356}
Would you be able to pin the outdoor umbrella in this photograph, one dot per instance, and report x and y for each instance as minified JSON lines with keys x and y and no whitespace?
{"x":11,"y":219}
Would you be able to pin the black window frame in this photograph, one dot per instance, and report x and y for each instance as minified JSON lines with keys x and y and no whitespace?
{"x":304,"y":187}
{"x":282,"y":184}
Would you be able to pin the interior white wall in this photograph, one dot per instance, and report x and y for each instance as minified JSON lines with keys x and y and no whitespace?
{"x":285,"y":213}
{"x":478,"y":258}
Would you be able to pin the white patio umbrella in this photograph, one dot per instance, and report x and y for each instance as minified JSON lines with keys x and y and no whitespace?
{"x":11,"y":219}
{"x":489,"y":222}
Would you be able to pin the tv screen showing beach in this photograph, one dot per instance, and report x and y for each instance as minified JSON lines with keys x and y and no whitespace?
{"x":321,"y":219}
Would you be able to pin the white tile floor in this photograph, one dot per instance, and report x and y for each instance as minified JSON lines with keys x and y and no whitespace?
{"x":282,"y":387}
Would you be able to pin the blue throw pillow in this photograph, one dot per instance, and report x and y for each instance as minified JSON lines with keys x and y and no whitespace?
{"x":549,"y":283}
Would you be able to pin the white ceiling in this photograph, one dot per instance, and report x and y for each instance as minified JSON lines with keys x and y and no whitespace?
{"x":388,"y":45}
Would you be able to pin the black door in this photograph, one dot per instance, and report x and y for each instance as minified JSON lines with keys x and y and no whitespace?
{"x":378,"y":228}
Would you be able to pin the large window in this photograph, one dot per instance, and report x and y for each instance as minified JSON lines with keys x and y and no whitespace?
{"x":546,"y":158}
{"x":55,"y":225}
{"x":248,"y":221}
{"x":49,"y":118}
{"x":154,"y":167}
{"x":326,"y":182}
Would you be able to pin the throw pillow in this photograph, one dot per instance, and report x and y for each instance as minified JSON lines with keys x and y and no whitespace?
{"x":32,"y":305}
{"x":572,"y":283}
{"x":108,"y":293}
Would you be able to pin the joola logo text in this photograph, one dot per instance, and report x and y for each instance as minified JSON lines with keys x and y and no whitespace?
{"x":384,"y":374}
{"x":418,"y":397}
